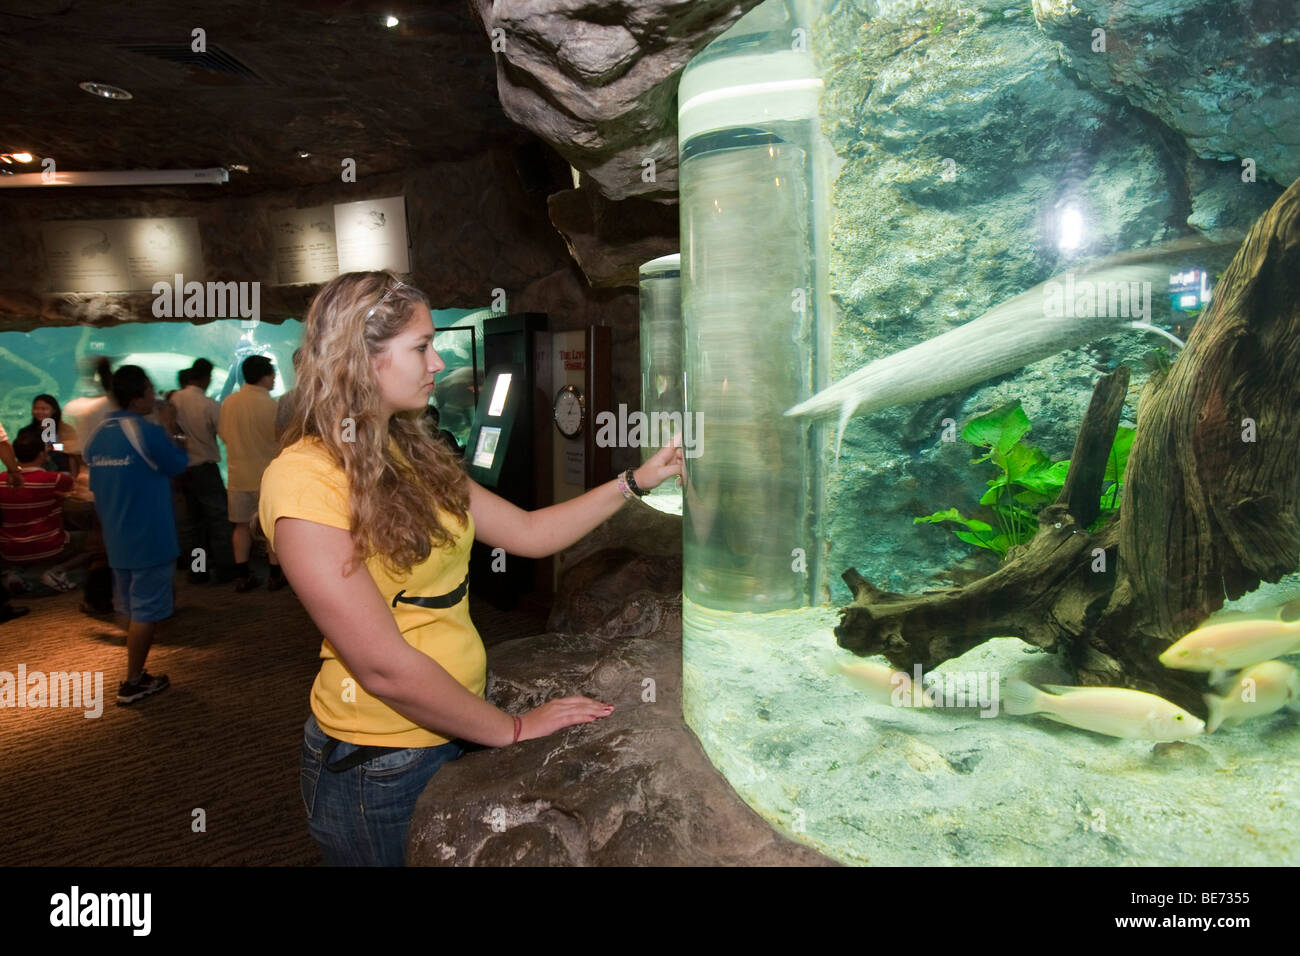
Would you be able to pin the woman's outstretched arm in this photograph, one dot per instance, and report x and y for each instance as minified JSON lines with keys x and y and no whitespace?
{"x":537,"y":534}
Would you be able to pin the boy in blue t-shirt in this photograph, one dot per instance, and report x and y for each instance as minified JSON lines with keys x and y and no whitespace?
{"x":131,"y":465}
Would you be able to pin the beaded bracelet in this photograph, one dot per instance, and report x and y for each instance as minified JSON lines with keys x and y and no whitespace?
{"x":622,"y":486}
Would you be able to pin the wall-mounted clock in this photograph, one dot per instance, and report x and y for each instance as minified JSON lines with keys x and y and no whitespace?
{"x":570,"y":411}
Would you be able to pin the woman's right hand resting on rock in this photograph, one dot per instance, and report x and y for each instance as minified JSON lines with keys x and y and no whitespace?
{"x":560,"y":713}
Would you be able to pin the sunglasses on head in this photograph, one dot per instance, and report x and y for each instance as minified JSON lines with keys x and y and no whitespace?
{"x":378,"y":305}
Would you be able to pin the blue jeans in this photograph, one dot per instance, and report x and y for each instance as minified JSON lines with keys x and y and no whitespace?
{"x":360,"y":816}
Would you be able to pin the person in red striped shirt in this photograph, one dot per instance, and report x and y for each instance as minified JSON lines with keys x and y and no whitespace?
{"x":32,"y":531}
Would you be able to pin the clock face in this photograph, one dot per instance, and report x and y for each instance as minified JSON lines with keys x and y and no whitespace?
{"x":570,"y":411}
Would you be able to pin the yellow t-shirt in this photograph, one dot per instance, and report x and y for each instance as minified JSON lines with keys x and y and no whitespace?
{"x":303,"y":482}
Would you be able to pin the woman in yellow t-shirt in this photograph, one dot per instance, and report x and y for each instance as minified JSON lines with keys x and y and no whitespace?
{"x":360,"y":484}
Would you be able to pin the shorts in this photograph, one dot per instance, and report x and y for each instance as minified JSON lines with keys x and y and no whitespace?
{"x":241,"y":506}
{"x":144,"y":594}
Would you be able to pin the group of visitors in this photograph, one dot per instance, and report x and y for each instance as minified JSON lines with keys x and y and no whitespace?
{"x":107,"y":495}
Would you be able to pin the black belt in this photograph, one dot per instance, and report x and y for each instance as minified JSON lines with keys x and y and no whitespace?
{"x":450,"y":599}
{"x":362,"y":754}
{"x":359,"y":756}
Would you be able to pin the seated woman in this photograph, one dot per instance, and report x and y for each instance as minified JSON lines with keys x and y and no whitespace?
{"x":360,"y":485}
{"x":62,"y":443}
{"x":32,"y":534}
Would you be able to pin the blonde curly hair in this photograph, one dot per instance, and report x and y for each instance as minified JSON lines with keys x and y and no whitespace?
{"x":394,"y":497}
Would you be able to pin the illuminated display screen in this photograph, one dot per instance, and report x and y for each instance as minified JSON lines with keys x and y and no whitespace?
{"x":1189,"y":290}
{"x":486,"y":450}
{"x":499,"y":395}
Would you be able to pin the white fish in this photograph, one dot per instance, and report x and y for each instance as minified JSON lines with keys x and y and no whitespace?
{"x":1258,"y":690}
{"x":1114,"y":711}
{"x":161,"y":367}
{"x":456,"y":388}
{"x":1009,"y":336}
{"x":883,"y":684}
{"x":1232,"y":645}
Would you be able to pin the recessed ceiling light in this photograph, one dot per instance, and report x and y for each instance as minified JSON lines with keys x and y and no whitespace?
{"x":23,"y":157}
{"x":391,"y":21}
{"x":105,"y":90}
{"x":301,"y":153}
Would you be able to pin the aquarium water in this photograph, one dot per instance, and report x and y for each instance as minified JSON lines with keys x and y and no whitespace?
{"x":59,"y":361}
{"x":856,"y":179}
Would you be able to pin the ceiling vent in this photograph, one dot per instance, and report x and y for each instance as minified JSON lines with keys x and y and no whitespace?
{"x":212,"y":60}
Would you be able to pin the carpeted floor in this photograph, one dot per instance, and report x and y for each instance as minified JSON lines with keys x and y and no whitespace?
{"x":124,"y":789}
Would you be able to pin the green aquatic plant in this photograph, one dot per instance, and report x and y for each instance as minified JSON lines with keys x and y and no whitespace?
{"x":1158,"y":361}
{"x":1026,"y":480}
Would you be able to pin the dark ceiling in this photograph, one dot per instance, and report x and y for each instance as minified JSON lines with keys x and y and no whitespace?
{"x":328,"y":78}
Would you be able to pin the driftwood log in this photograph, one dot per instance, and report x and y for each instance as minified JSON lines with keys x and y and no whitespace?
{"x":1211,"y":503}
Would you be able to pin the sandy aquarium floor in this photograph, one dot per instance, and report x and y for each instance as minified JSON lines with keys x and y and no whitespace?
{"x":895,"y":786}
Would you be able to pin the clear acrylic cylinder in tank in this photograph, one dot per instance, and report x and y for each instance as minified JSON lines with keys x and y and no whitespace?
{"x":752,"y":187}
{"x":662,"y":398}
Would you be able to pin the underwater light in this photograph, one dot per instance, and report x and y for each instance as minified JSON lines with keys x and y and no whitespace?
{"x":1071,"y":229}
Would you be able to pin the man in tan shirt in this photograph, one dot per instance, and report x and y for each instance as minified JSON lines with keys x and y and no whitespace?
{"x":247,"y":426}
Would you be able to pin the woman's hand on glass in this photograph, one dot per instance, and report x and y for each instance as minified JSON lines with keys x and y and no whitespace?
{"x":661,"y":466}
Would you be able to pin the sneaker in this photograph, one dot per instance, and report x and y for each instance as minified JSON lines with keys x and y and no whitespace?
{"x":247,"y":584}
{"x":275,"y":583}
{"x":57,"y":581}
{"x":15,"y":583}
{"x":128,"y":692}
